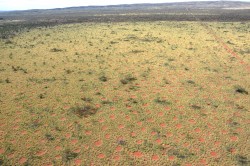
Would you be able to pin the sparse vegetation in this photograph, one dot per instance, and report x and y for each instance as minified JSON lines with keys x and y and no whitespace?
{"x":133,"y":90}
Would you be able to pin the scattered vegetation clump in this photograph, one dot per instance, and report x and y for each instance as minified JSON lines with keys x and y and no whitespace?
{"x":18,"y":68}
{"x":7,"y":80}
{"x":239,"y":89}
{"x":103,"y":78}
{"x":68,"y":71}
{"x":132,"y":101}
{"x":121,"y":142}
{"x":42,"y":95}
{"x":40,"y":81}
{"x":229,"y":42}
{"x":242,"y":160}
{"x":182,"y":154}
{"x":35,"y":124}
{"x":128,"y":79}
{"x":87,"y":99}
{"x":171,"y":59}
{"x":196,"y":107}
{"x":166,"y":81}
{"x":174,"y":47}
{"x":114,"y":42}
{"x":190,"y":82}
{"x":68,"y":155}
{"x":98,"y":93}
{"x":166,"y":64}
{"x":56,"y":50}
{"x":162,"y":101}
{"x":8,"y":42}
{"x":106,"y":102}
{"x":134,"y":87}
{"x":84,"y":111}
{"x":49,"y":137}
{"x":240,"y":107}
{"x":136,"y":51}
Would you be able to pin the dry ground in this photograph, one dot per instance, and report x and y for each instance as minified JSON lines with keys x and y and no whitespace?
{"x":149,"y":93}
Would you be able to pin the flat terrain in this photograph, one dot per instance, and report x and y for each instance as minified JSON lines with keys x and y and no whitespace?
{"x":147,"y":93}
{"x":125,"y":93}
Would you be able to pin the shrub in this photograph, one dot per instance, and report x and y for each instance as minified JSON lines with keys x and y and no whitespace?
{"x":84,"y":111}
{"x":56,"y":50}
{"x":162,"y":101}
{"x":69,"y":155}
{"x":128,"y":79}
{"x":103,"y":78}
{"x":239,"y":89}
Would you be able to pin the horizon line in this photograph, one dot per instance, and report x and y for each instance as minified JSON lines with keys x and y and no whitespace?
{"x":110,"y":5}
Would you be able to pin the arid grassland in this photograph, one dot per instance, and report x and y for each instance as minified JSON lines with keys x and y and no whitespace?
{"x":146,"y":93}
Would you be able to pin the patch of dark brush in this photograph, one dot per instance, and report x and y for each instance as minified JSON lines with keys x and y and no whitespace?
{"x":87,"y":99}
{"x":106,"y":102}
{"x":121,"y":142}
{"x":68,"y":155}
{"x":49,"y":137}
{"x":181,"y":154}
{"x":103,"y":78}
{"x":35,"y":124}
{"x":191,"y":82}
{"x":159,"y":100}
{"x":196,"y":107}
{"x":84,"y":111}
{"x":241,"y":90}
{"x":132,"y":101}
{"x":128,"y":79}
{"x":242,"y":160}
{"x":56,"y":50}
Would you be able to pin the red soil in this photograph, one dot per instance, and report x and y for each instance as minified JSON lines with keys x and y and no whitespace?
{"x":139,"y":142}
{"x":121,"y":126}
{"x":88,"y":132}
{"x":22,"y":160}
{"x":213,"y":154}
{"x":74,"y":141}
{"x":163,"y":125}
{"x":234,"y":138}
{"x":2,"y":151}
{"x":101,"y":156}
{"x":133,"y":134}
{"x":138,"y":154}
{"x":78,"y":162}
{"x":178,"y":126}
{"x":58,"y":148}
{"x":155,"y":157}
{"x":171,"y":158}
{"x":118,"y":148}
{"x":41,"y":153}
{"x":158,"y":141}
{"x":107,"y":136}
{"x":117,"y":158}
{"x":98,"y":143}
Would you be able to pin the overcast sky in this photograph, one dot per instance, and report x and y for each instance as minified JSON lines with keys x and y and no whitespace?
{"x":47,"y":4}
